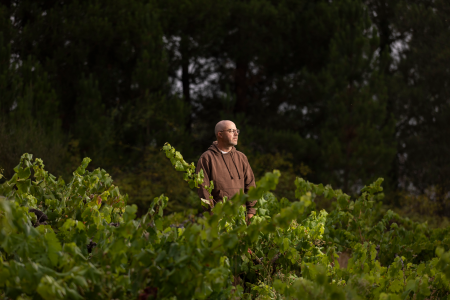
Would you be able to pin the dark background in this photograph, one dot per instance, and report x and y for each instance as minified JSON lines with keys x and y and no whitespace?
{"x":339,"y":92}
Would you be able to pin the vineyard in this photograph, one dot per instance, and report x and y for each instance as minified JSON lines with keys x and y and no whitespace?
{"x":79,"y":240}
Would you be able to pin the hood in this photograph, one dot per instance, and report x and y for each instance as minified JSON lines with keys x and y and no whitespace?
{"x":214,"y":148}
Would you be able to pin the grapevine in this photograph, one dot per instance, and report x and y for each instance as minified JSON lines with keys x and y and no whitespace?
{"x":80,"y":240}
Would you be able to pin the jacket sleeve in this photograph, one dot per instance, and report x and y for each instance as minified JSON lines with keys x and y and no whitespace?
{"x":249,"y":178}
{"x":205,"y":166}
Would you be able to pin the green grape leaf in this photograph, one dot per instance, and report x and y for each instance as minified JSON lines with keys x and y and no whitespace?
{"x":24,"y":186}
{"x":50,"y":289}
{"x":24,"y":173}
{"x":52,"y":243}
{"x":130,"y":213}
{"x":396,"y":286}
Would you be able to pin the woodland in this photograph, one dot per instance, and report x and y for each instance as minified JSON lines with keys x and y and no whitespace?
{"x":337,"y":92}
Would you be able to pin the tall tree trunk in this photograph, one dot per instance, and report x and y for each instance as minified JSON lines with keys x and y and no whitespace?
{"x":241,"y":87}
{"x":185,"y":78}
{"x":383,"y":14}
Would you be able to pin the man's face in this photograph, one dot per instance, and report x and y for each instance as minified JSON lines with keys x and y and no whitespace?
{"x":229,"y":134}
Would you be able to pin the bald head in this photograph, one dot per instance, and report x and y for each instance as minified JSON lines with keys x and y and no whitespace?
{"x":224,"y":125}
{"x":226,"y":139}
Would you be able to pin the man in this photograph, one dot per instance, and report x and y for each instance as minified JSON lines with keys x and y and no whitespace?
{"x":226,"y":167}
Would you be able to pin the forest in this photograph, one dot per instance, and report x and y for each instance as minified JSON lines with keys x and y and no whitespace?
{"x":338,"y":92}
{"x":332,"y":95}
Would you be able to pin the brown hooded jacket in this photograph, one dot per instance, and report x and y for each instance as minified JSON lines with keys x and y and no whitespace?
{"x":229,"y":172}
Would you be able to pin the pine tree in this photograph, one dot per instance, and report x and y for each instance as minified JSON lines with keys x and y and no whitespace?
{"x":422,"y":106}
{"x":356,"y":134}
{"x":28,"y":106}
{"x":107,"y":64}
{"x":310,"y":68}
{"x":192,"y":32}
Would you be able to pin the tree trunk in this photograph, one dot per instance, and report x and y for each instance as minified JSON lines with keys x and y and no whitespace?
{"x":185,"y":77}
{"x":241,"y":87}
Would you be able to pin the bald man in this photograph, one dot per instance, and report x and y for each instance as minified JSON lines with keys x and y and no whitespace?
{"x":226,"y":167}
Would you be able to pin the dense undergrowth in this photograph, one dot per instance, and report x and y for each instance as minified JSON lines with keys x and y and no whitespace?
{"x":79,"y":239}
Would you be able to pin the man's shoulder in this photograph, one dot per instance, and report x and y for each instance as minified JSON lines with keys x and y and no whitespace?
{"x":206,"y":155}
{"x":240,"y":154}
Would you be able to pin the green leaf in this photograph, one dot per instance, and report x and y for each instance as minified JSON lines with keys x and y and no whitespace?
{"x":50,"y":289}
{"x":384,"y":296}
{"x":4,"y":275}
{"x":342,"y":201}
{"x":24,"y":173}
{"x":159,"y":224}
{"x":231,"y":241}
{"x":82,"y":168}
{"x":24,"y":186}
{"x":285,"y":244}
{"x":52,"y":243}
{"x":179,"y":166}
{"x":410,"y":287}
{"x":73,"y":294}
{"x":130,"y":213}
{"x":396,"y":286}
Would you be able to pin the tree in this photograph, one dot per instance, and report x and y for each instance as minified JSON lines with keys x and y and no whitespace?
{"x":422,"y":79}
{"x":191,"y":29}
{"x":106,"y":62}
{"x":28,"y":105}
{"x":312,"y":68}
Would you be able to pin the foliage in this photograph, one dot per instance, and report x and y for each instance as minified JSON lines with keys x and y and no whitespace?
{"x":28,"y":105}
{"x":152,"y":177}
{"x":415,"y":36}
{"x":306,"y":81}
{"x":422,"y":105}
{"x":93,"y":246}
{"x":100,"y":76}
{"x":261,"y":161}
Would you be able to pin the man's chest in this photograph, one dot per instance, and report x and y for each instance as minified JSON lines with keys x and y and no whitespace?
{"x":227,"y":170}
